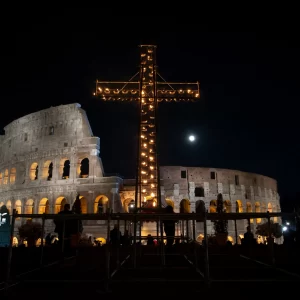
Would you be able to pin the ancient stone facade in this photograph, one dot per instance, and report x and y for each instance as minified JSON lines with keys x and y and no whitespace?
{"x":47,"y":157}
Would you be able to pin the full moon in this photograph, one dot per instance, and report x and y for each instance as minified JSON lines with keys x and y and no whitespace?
{"x":191,"y":138}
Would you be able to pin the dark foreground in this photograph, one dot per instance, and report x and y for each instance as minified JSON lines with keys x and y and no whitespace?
{"x":233,"y":273}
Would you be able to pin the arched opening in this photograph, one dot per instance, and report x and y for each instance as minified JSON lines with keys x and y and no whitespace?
{"x":64,"y":168}
{"x":47,"y":170}
{"x":213,"y":206}
{"x":15,"y":242}
{"x":34,"y":171}
{"x":84,"y":168}
{"x":5,"y":180}
{"x":29,"y":207}
{"x":239,"y":206}
{"x":270,"y":208}
{"x":59,"y":204}
{"x":200,"y":238}
{"x":44,"y":207}
{"x":230,"y":239}
{"x":39,"y":242}
{"x":12,"y":176}
{"x":18,"y":207}
{"x":257,"y":210}
{"x":249,"y":209}
{"x":200,"y":206}
{"x":8,"y":206}
{"x":84,"y":208}
{"x":1,"y":203}
{"x":185,"y":206}
{"x":101,"y":240}
{"x":100,"y":204}
{"x":227,"y":206}
{"x":170,"y":202}
{"x":1,"y":178}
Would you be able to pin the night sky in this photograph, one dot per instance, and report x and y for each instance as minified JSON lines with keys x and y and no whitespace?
{"x":246,"y":119}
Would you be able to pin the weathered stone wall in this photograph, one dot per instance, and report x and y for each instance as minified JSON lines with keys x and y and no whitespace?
{"x":55,"y":135}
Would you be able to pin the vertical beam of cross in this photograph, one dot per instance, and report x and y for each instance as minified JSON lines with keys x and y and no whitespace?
{"x":148,"y":167}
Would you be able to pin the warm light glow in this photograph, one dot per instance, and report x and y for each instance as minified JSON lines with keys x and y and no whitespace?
{"x":152,"y":195}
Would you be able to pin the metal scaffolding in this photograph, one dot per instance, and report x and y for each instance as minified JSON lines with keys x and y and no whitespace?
{"x":139,"y":217}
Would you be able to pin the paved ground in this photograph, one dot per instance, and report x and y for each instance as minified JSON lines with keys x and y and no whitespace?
{"x":231,"y":276}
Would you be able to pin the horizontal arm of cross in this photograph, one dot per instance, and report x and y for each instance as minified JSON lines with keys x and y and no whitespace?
{"x":165,"y":91}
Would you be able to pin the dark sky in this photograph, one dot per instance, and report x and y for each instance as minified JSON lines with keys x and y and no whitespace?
{"x":247,"y":117}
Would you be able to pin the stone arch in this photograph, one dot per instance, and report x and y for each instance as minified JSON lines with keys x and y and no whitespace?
{"x":64,"y":168}
{"x":84,"y":204}
{"x":34,"y":171}
{"x":59,"y":204}
{"x":213,"y":206}
{"x":12,"y":175}
{"x":83,"y":168}
{"x":185,"y":206}
{"x":44,"y":207}
{"x":239,"y":206}
{"x":257,"y":210}
{"x":29,"y":207}
{"x":200,"y":206}
{"x":170,"y":202}
{"x":1,"y":203}
{"x":200,"y":238}
{"x":8,"y":206}
{"x":230,"y":239}
{"x":18,"y":207}
{"x":227,"y":206}
{"x":47,"y":170}
{"x":270,"y":208}
{"x":249,"y":209}
{"x":5,"y":179}
{"x":102,"y":200}
{"x":126,"y":203}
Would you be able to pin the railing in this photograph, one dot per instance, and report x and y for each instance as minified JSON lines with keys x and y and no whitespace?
{"x":135,"y":218}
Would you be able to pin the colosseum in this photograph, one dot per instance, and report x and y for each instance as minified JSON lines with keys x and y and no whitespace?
{"x":49,"y":156}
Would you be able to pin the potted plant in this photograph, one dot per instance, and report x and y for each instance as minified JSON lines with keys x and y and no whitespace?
{"x":31,"y":232}
{"x":221,"y":226}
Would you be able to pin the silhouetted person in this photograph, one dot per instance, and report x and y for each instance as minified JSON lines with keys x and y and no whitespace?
{"x":150,"y":240}
{"x":126,"y":238}
{"x":248,"y":237}
{"x":70,"y":227}
{"x":48,"y":239}
{"x":115,"y":235}
{"x":169,"y":227}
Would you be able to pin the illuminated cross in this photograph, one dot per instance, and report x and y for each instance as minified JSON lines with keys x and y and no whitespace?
{"x":147,"y":91}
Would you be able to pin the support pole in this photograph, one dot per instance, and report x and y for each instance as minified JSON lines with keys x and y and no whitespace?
{"x":206,"y":275}
{"x":134,"y":240}
{"x":162,"y":248}
{"x":118,"y":245}
{"x":271,"y":242}
{"x":42,"y":241}
{"x":9,"y":256}
{"x":236,"y":232}
{"x":107,"y":252}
